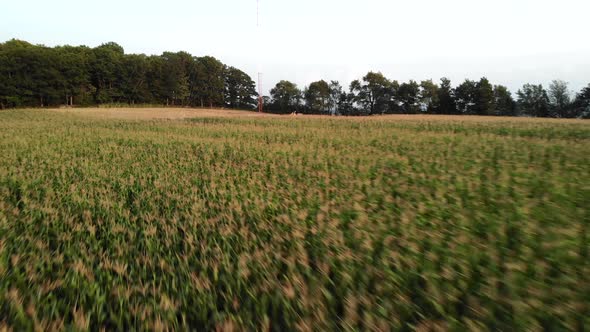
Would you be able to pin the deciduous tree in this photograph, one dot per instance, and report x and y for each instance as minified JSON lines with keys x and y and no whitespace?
{"x":582,"y":104}
{"x":533,"y":100}
{"x":286,"y":97}
{"x":240,"y":89}
{"x":429,"y":97}
{"x":446,"y":98}
{"x":105,"y":66}
{"x":373,"y":93}
{"x":336,"y":95}
{"x":504,"y":104}
{"x":466,"y":97}
{"x":559,"y":99}
{"x":207,"y":82}
{"x":317,"y":97}
{"x":484,"y":98}
{"x":408,"y":96}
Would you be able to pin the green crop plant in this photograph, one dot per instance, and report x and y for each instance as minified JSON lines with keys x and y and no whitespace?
{"x":293,"y":223}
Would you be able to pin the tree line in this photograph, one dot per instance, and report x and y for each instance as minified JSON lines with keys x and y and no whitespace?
{"x":40,"y":76}
{"x":375,"y":94}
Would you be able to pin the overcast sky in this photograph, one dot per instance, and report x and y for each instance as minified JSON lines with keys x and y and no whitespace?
{"x":510,"y":41}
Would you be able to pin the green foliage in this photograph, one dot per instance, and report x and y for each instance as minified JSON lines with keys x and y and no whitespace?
{"x":504,"y":104}
{"x":429,"y":97}
{"x":582,"y":104}
{"x":39,"y":76}
{"x":337,"y":98}
{"x":533,"y":101}
{"x":286,"y":97}
{"x":374,"y":93}
{"x":408,"y":95}
{"x":134,"y":80}
{"x":239,"y":89}
{"x":559,"y":98}
{"x":105,"y":66}
{"x":401,"y":223}
{"x":208,"y":82}
{"x":466,"y":95}
{"x":317,"y":97}
{"x":446,"y":97}
{"x":484,"y":99}
{"x":34,"y":75}
{"x":30,"y":75}
{"x":176,"y":69}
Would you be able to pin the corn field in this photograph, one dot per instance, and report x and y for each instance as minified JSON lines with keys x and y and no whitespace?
{"x":293,"y":223}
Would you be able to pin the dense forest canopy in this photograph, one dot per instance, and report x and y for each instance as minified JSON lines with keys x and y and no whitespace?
{"x":34,"y":75}
{"x":40,"y":76}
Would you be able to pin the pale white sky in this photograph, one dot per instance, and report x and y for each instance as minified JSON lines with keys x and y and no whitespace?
{"x":510,"y":41}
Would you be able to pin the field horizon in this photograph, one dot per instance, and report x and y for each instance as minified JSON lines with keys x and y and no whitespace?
{"x":180,"y":113}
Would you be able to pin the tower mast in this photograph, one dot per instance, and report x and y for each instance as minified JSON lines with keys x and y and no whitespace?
{"x":260,"y":100}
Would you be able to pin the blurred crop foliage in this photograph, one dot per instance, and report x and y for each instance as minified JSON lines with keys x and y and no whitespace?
{"x":430,"y":223}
